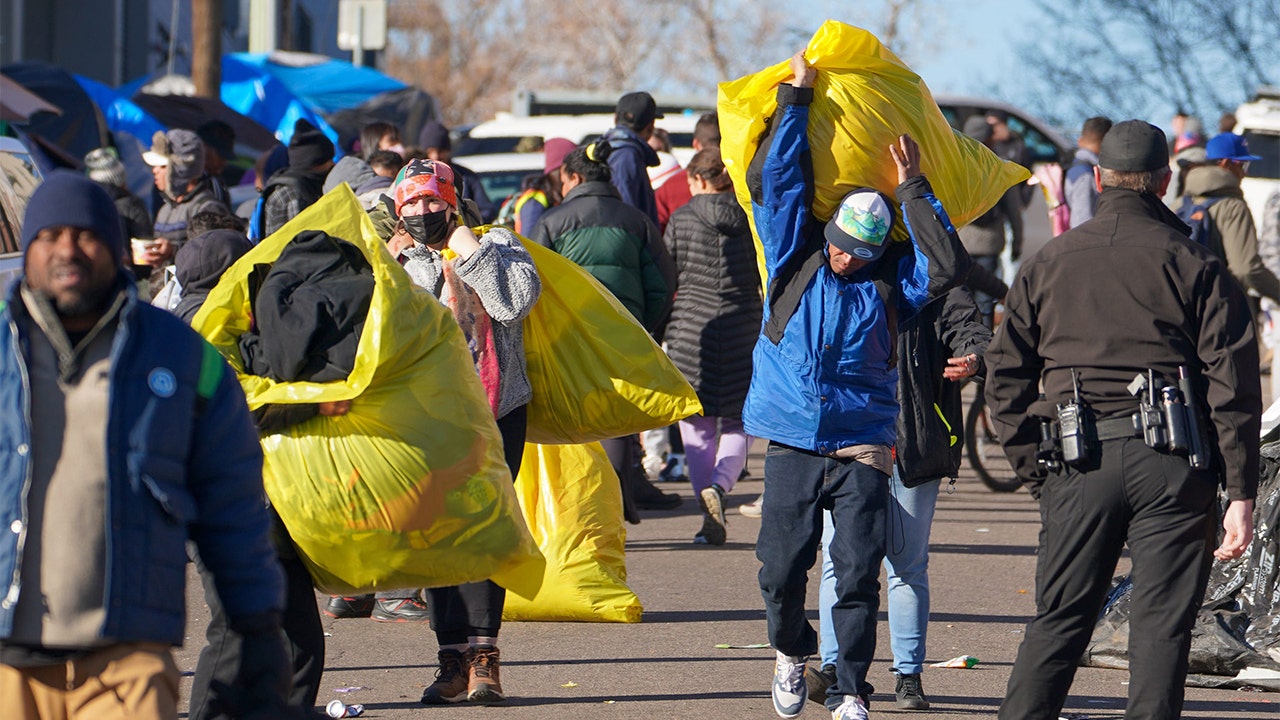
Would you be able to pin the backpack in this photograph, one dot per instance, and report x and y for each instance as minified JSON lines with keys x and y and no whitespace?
{"x":1196,"y":215}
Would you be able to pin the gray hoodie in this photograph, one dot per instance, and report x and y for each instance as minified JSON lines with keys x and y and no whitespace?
{"x":503,"y":275}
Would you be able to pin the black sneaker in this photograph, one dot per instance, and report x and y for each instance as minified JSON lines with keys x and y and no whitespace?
{"x":648,"y":497}
{"x":712,"y":532}
{"x":400,"y":610}
{"x":910,"y":693}
{"x":818,"y":680}
{"x":340,"y":606}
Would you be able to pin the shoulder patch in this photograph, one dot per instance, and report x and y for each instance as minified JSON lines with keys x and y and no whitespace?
{"x":211,"y":369}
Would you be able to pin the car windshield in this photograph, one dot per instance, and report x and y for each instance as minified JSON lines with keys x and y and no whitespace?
{"x":501,"y":184}
{"x":1267,"y":146}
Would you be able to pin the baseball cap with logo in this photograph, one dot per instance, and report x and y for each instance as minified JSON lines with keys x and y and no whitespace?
{"x":1229,"y":146}
{"x":861,"y":224}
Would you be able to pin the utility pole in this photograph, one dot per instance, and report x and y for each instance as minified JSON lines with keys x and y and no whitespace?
{"x":206,"y":47}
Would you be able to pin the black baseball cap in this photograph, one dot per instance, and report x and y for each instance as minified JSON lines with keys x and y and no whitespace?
{"x":1134,"y":146}
{"x":636,"y":110}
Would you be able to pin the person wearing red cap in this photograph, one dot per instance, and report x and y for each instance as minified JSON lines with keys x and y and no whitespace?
{"x":544,"y":192}
{"x":491,"y":284}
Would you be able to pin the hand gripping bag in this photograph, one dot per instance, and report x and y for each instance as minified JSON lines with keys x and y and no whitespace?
{"x":595,"y":372}
{"x":572,"y":503}
{"x":409,"y":489}
{"x":864,"y":98}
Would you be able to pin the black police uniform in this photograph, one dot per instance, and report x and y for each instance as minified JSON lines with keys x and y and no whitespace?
{"x":1122,"y":293}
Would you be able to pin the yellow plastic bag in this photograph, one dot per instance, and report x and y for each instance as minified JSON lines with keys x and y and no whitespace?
{"x":595,"y":372}
{"x":573,"y":504}
{"x":409,"y":489}
{"x":864,"y":98}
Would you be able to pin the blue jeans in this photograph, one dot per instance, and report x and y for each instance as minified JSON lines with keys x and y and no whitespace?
{"x":907,"y":564}
{"x":801,"y":485}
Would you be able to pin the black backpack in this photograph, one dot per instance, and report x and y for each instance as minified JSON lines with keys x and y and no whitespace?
{"x":1196,"y":215}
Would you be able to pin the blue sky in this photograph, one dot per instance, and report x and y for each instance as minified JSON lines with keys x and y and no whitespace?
{"x":967,"y":47}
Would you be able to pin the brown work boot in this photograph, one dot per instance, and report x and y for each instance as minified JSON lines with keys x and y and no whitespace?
{"x":451,"y":680}
{"x":484,"y":687}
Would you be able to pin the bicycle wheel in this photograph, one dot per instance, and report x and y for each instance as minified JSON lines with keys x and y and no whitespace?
{"x":986,"y":456}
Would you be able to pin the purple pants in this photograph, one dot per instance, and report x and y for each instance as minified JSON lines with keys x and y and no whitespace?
{"x":711,"y":456}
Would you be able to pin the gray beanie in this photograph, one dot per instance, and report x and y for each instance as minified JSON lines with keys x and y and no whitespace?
{"x":103,"y":166}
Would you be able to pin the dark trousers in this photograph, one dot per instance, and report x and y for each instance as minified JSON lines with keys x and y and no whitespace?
{"x":1167,"y":513}
{"x":220,"y":659}
{"x":986,"y":303}
{"x":801,"y":485}
{"x":460,"y":611}
{"x":625,"y":454}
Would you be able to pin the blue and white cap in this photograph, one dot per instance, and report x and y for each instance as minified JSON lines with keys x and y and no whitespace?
{"x":861,"y":224}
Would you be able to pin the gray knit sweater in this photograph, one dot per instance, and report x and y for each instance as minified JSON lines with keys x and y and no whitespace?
{"x":502,"y":274}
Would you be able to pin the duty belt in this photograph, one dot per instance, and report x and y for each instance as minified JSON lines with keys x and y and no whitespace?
{"x":1117,"y":428}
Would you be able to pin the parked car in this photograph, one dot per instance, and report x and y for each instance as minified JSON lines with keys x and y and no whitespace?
{"x":1259,"y":122}
{"x":502,"y":174}
{"x":490,"y":148}
{"x":504,"y":133}
{"x":1045,"y":144}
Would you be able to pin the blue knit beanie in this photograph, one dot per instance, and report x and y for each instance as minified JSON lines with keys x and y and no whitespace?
{"x":69,"y":198}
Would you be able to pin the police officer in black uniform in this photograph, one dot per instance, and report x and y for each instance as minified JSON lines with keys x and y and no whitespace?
{"x":1098,"y":318}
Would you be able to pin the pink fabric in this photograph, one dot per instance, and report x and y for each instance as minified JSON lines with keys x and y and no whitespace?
{"x":711,"y":457}
{"x":477,"y":328}
{"x":1052,"y":180}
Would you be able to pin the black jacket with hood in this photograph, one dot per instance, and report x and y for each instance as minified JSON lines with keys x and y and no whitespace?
{"x":930,"y":424}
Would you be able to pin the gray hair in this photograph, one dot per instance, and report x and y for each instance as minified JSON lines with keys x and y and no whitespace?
{"x":1143,"y":181}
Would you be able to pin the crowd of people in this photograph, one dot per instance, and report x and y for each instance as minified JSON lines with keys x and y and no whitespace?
{"x":849,"y":364}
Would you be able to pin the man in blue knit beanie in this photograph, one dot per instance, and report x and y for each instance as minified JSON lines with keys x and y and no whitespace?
{"x":125,"y":435}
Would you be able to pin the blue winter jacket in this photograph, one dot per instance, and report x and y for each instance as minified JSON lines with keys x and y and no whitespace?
{"x":629,"y":165}
{"x":183,"y":462}
{"x":831,"y":380}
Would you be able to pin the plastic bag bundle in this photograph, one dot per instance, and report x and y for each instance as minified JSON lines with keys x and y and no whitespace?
{"x":595,"y":372}
{"x":864,"y":98}
{"x":409,"y":489}
{"x":573,"y":505}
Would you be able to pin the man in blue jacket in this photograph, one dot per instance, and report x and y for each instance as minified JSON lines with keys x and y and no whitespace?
{"x":632,"y":157}
{"x":122,"y":435}
{"x":824,"y":385}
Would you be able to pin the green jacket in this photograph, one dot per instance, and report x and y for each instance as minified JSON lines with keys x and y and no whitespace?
{"x":619,"y":245}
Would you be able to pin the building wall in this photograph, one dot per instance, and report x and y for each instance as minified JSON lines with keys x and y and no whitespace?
{"x":116,"y":41}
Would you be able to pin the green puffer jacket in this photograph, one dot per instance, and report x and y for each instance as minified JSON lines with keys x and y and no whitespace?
{"x":617,"y":244}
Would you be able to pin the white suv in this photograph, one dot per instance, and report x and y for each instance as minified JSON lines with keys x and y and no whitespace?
{"x":1259,"y":122}
{"x":490,"y":148}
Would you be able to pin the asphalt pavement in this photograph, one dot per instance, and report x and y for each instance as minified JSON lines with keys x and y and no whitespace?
{"x":697,"y":597}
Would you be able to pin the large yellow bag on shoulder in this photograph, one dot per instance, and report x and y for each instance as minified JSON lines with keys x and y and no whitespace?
{"x":408,"y":489}
{"x":864,"y":98}
{"x":595,"y":372}
{"x":572,"y":503}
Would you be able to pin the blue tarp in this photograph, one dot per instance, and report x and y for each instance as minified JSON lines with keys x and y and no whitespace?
{"x":326,"y":86}
{"x":250,"y":90}
{"x":131,"y":127}
{"x":121,"y":113}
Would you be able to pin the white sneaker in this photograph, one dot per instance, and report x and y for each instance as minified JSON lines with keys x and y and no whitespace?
{"x":790,"y":692}
{"x":851,"y":709}
{"x":751,"y":509}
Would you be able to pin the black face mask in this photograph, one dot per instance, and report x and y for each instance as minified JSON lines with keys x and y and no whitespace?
{"x":429,"y":228}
